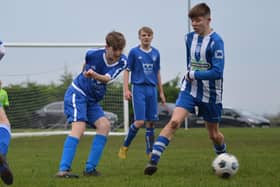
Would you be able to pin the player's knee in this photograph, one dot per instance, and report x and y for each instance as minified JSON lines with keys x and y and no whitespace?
{"x":174,"y":124}
{"x":139,"y":123}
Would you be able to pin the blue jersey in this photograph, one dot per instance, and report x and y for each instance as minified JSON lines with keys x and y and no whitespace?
{"x":205,"y":56}
{"x":144,"y":66}
{"x":95,"y":60}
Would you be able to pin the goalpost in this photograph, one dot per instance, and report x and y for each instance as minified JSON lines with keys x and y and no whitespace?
{"x":24,"y":103}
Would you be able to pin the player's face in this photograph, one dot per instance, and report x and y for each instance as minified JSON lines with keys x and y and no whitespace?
{"x":201,"y":25}
{"x":145,"y":38}
{"x":113,"y":55}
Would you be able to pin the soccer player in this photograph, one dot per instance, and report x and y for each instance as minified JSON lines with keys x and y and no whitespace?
{"x":201,"y":86}
{"x":4,"y":99}
{"x":81,"y":103}
{"x":5,"y":138}
{"x":144,"y":65}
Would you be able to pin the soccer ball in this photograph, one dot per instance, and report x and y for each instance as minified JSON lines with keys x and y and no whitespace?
{"x":225,"y":165}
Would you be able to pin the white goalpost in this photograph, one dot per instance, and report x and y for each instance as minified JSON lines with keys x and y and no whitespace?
{"x":63,"y":54}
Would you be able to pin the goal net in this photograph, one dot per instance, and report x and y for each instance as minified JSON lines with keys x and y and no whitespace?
{"x":36,"y":92}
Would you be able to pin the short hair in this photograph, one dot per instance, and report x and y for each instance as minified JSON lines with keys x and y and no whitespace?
{"x":145,"y":29}
{"x":201,"y":9}
{"x":116,"y":40}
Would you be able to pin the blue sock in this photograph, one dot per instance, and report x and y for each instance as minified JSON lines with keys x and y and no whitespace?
{"x":97,"y":147}
{"x":150,"y":138}
{"x":130,"y":136}
{"x":69,"y":150}
{"x":158,"y":148}
{"x":5,"y":138}
{"x":219,"y":149}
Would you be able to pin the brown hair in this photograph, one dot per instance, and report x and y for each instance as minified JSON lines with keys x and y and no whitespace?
{"x":115,"y":40}
{"x":145,"y":29}
{"x":201,"y":9}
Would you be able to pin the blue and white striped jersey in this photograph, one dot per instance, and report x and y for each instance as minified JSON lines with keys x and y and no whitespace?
{"x":205,"y":57}
{"x":144,"y":66}
{"x":95,"y":60}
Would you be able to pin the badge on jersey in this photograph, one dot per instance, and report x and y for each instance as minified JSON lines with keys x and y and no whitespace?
{"x":219,"y":54}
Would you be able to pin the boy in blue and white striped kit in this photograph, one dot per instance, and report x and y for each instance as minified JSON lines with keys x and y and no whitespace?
{"x":5,"y":138}
{"x":202,"y":85}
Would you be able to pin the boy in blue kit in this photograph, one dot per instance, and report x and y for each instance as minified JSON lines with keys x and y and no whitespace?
{"x":144,"y":65}
{"x":81,"y":103}
{"x":5,"y":138}
{"x":202,"y":85}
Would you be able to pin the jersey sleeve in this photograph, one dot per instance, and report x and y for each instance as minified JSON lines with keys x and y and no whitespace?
{"x":114,"y":72}
{"x":217,"y":58}
{"x":130,"y":60}
{"x":158,"y":61}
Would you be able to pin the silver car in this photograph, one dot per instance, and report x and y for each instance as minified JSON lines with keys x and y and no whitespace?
{"x":52,"y":116}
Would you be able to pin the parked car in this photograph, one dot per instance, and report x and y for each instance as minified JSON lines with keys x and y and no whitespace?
{"x":52,"y":116}
{"x":164,"y":114}
{"x":230,"y":118}
{"x":242,"y":118}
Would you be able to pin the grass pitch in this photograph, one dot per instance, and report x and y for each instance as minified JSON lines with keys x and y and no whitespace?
{"x":186,"y":162}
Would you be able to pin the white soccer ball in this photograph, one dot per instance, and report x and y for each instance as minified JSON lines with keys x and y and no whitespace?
{"x":225,"y":165}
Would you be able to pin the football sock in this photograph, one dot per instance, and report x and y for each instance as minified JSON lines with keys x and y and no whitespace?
{"x":158,"y":148}
{"x":130,"y":136}
{"x":97,"y":147}
{"x":5,"y":138}
{"x":69,"y":150}
{"x":150,"y":138}
{"x":219,"y":149}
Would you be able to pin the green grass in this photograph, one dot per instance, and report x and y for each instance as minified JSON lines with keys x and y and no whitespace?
{"x":186,"y":162}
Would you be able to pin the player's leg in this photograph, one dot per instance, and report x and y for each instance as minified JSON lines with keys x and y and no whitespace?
{"x":75,"y":110}
{"x":212,"y":115}
{"x":5,"y":134}
{"x":138,"y":102}
{"x":102,"y":125}
{"x":164,"y":138}
{"x":184,"y":105}
{"x":217,"y":137}
{"x":151,"y":116}
{"x":149,"y":137}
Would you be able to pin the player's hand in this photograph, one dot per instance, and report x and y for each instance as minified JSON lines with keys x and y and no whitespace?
{"x":89,"y":73}
{"x":162,"y":98}
{"x":127,"y":94}
{"x":189,"y":76}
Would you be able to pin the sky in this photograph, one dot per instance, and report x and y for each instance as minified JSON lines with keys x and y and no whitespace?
{"x":249,"y":28}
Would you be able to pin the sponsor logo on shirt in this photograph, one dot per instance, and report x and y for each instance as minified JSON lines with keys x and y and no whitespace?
{"x":200,"y":65}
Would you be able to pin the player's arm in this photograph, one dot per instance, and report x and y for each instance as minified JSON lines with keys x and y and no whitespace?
{"x":216,"y":72}
{"x":2,"y":50}
{"x":160,"y":89}
{"x":94,"y":75}
{"x":127,"y":93}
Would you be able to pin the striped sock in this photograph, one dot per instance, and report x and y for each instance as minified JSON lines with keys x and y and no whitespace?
{"x":219,"y":149}
{"x":158,"y":148}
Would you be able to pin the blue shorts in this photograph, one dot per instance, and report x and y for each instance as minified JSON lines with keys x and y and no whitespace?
{"x":144,"y":100}
{"x":78,"y":107}
{"x":211,"y":112}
